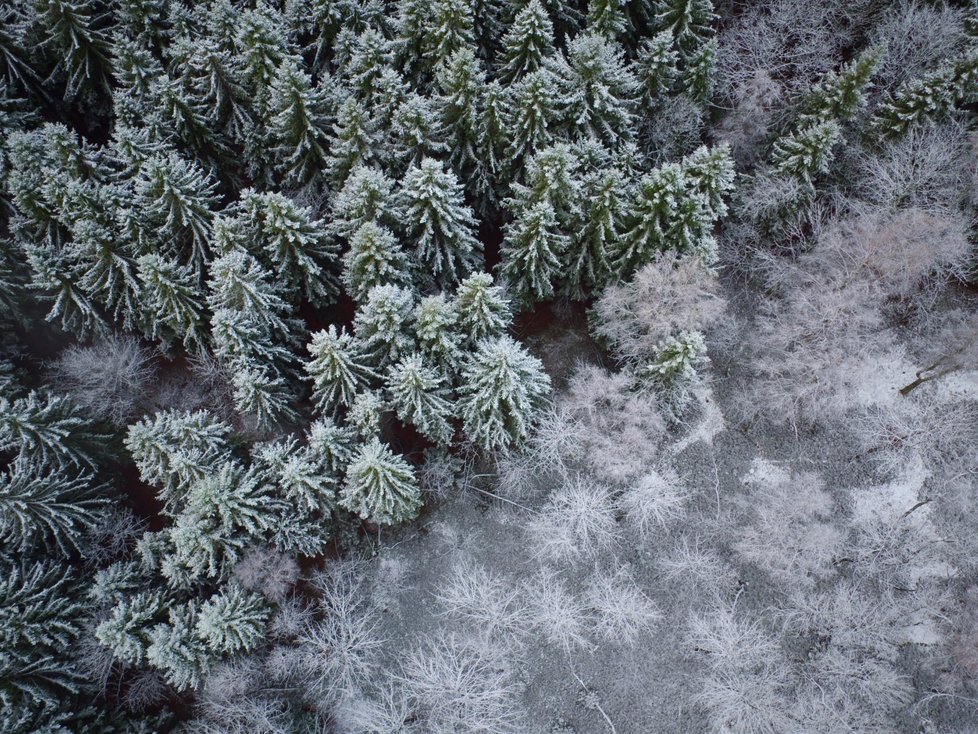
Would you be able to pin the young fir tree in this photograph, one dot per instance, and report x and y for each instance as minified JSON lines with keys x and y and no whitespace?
{"x":689,"y":21}
{"x":461,"y":85}
{"x":607,"y":18}
{"x":338,"y":368}
{"x":527,"y":43}
{"x":374,"y":258}
{"x":419,"y":397}
{"x":436,"y":329}
{"x":656,"y":67}
{"x":382,"y":324}
{"x":174,"y":449}
{"x":532,"y":253}
{"x":49,"y":431}
{"x":41,"y":616}
{"x":175,"y":200}
{"x":297,"y":245}
{"x":483,"y":309}
{"x":298,"y":125}
{"x":353,"y":141}
{"x":417,"y":132}
{"x":598,"y":89}
{"x":503,"y":390}
{"x":839,"y":95}
{"x":931,"y":96}
{"x":532,"y":111}
{"x":365,"y":197}
{"x":47,"y":508}
{"x":232,"y":621}
{"x":380,"y":486}
{"x":435,"y":217}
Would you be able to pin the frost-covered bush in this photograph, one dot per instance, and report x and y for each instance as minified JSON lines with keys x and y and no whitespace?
{"x":456,"y":685}
{"x":667,"y":296}
{"x":110,"y":379}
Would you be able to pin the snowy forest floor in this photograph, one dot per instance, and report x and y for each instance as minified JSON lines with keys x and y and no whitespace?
{"x":607,"y":609}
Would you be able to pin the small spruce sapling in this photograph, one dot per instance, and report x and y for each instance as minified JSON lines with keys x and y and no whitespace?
{"x":380,"y":486}
{"x":503,"y":390}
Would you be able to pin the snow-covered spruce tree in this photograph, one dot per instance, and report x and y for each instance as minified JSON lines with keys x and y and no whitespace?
{"x":436,"y":329}
{"x":503,"y":389}
{"x":607,"y":18}
{"x":172,"y":301}
{"x":532,"y":252}
{"x":380,"y":486}
{"x":676,"y":207}
{"x":589,"y":256}
{"x":416,"y":132}
{"x":238,"y":282}
{"x":353,"y":140}
{"x":294,"y":242}
{"x":527,"y":43}
{"x":931,"y":96}
{"x":375,"y":258}
{"x":483,"y":308}
{"x":808,"y":152}
{"x":656,"y":67}
{"x":689,"y":21}
{"x":420,"y":397}
{"x":461,"y":85}
{"x":841,"y":94}
{"x":532,"y":110}
{"x":49,"y":431}
{"x":222,"y":514}
{"x":552,"y":175}
{"x":74,"y":34}
{"x":382,"y":324}
{"x":172,"y":449}
{"x":47,"y":509}
{"x":175,"y":199}
{"x":438,"y":223}
{"x":339,"y":368}
{"x":299,"y":473}
{"x":298,"y":125}
{"x":598,"y":89}
{"x":40,"y":619}
{"x":263,"y":393}
{"x":176,"y":651}
{"x":365,"y":197}
{"x":232,"y":620}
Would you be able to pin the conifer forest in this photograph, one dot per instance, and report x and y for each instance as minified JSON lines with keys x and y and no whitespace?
{"x":489,"y":366}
